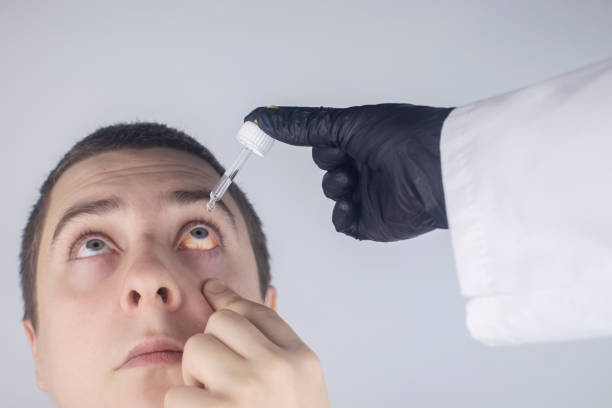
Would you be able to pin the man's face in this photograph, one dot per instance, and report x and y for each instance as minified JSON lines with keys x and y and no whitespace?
{"x":126,"y":247}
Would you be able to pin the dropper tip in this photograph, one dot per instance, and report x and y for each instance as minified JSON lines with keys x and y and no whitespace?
{"x":211,"y":205}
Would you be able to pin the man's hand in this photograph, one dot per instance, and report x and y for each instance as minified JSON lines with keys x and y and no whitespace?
{"x":382,"y":162}
{"x":247,"y":357}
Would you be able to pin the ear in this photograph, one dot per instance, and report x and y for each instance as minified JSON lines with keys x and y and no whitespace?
{"x":271,"y":295}
{"x":31,"y":335}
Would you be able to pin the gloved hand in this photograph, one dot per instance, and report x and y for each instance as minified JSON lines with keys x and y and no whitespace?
{"x":382,"y":162}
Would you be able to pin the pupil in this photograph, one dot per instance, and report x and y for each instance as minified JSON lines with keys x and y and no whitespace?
{"x":199,"y":233}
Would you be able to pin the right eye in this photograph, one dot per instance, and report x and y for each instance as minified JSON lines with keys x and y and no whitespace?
{"x":92,"y":247}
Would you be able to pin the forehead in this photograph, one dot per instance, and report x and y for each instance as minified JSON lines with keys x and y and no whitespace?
{"x":136,"y":176}
{"x":121,"y":167}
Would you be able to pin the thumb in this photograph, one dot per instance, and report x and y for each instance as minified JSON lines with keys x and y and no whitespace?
{"x":298,"y":126}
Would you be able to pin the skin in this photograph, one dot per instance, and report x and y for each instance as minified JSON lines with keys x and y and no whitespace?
{"x":144,"y":278}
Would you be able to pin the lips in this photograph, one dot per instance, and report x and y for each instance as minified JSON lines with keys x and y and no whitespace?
{"x":157,"y":350}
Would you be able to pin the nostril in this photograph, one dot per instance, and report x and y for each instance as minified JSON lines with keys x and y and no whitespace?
{"x":163,"y":292}
{"x":135,"y":297}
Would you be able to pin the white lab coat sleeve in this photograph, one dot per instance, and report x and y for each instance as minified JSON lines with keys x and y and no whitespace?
{"x":528,"y":184}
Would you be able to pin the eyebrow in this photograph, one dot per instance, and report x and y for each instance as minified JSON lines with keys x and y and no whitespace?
{"x":101,"y":207}
{"x":187,"y":197}
{"x":97,"y":207}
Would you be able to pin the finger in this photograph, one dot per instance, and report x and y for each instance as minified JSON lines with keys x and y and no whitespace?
{"x":239,"y":334}
{"x":329,"y":158}
{"x":193,"y":397}
{"x":339,"y":183}
{"x":263,"y":318}
{"x":345,"y":218}
{"x":208,"y":362}
{"x":299,"y":126}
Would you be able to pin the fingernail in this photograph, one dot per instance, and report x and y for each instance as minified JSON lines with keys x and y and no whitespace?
{"x":216,"y":286}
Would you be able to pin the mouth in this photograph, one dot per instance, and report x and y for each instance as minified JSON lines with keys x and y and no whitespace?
{"x":154,"y":351}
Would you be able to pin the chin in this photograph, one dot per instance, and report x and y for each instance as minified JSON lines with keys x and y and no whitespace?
{"x":154,"y":398}
{"x":146,"y":387}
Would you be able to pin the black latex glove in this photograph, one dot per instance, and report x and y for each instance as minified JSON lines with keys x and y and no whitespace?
{"x":382,"y":162}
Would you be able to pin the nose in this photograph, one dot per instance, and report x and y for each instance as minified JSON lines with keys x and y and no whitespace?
{"x":150,"y":283}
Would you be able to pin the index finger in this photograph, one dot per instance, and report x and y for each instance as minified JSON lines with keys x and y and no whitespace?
{"x":266,"y":320}
{"x":298,"y":126}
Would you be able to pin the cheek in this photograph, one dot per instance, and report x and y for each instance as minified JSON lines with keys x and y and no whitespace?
{"x":77,"y":312}
{"x":237,"y":268}
{"x":205,"y":264}
{"x":74,"y":347}
{"x":78,"y":321}
{"x":76,"y":299}
{"x":241,"y":274}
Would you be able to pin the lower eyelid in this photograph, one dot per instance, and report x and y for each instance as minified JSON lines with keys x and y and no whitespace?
{"x":195,"y":253}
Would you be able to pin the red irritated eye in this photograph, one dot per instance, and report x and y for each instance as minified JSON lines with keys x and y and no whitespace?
{"x":199,"y":238}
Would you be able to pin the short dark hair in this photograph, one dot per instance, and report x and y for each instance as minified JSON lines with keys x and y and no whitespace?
{"x":117,"y":137}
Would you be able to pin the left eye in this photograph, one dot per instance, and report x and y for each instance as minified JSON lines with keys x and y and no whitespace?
{"x":199,"y":238}
{"x":92,"y":247}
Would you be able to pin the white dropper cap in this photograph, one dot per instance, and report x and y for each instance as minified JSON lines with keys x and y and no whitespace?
{"x":253,"y":138}
{"x":255,"y":141}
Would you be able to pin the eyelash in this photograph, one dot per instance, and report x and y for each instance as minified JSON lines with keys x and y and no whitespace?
{"x":88,"y":233}
{"x":208,"y":223}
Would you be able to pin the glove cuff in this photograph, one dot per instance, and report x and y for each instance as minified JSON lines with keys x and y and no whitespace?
{"x":436,"y":207}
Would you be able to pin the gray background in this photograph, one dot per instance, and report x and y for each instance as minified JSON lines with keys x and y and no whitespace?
{"x":386,"y":320}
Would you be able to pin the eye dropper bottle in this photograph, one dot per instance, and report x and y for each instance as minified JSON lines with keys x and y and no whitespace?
{"x":253,"y":140}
